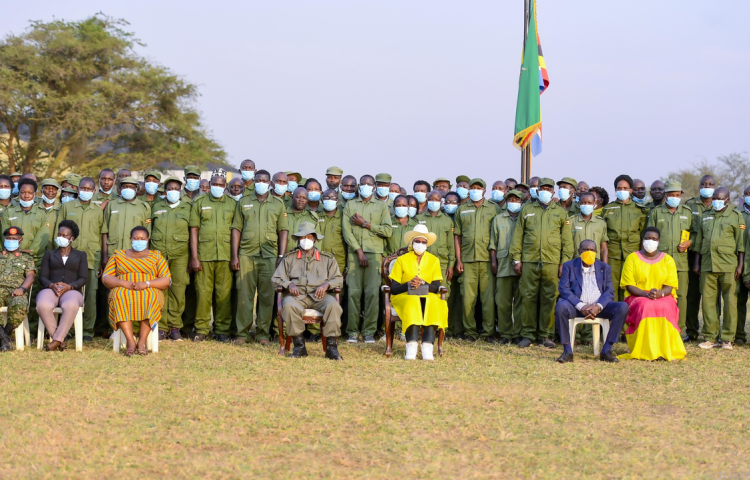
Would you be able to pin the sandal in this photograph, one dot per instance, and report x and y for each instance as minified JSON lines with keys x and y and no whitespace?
{"x":129,"y":352}
{"x":143,"y":352}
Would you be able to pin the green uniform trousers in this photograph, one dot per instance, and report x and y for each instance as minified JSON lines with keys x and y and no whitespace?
{"x":455,"y":307}
{"x":214,"y":284}
{"x":539,"y":293}
{"x":478,"y":280}
{"x":294,"y":307}
{"x":682,"y":291}
{"x":693,"y":303}
{"x":255,"y":276}
{"x":191,"y":305}
{"x":508,"y":302}
{"x":616,"y":265}
{"x":17,"y":306}
{"x":714,"y":285}
{"x":742,"y":294}
{"x":174,"y":297}
{"x":363,"y":280}
{"x":89,"y":303}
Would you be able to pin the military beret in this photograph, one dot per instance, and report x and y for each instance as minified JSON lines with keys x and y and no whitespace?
{"x":171,"y":179}
{"x":192,"y":170}
{"x":50,"y":182}
{"x":568,"y":180}
{"x":130,"y":180}
{"x":152,"y":173}
{"x":383,"y":178}
{"x":441,"y":179}
{"x":479,"y":181}
{"x":334,"y":171}
{"x":13,"y":231}
{"x":672,"y":186}
{"x":73,"y":179}
{"x":546,"y":181}
{"x":462,"y":178}
{"x":515,"y":193}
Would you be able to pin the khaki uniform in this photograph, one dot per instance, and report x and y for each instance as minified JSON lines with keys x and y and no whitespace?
{"x":150,"y":203}
{"x":260,"y":224}
{"x":473,"y":224}
{"x":595,"y":229}
{"x":120,"y":217}
{"x":542,"y":241}
{"x":170,"y":235}
{"x":692,"y":324}
{"x":625,"y":222}
{"x":295,"y":219}
{"x":249,"y":190}
{"x":396,"y":241}
{"x":671,"y":226}
{"x":308,"y":273}
{"x":13,"y":269}
{"x":507,"y":283}
{"x":213,"y":219}
{"x":720,"y":237}
{"x":100,"y":197}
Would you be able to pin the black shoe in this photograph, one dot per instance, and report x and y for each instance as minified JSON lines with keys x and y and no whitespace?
{"x":565,"y":358}
{"x":162,"y":336}
{"x":524,"y":343}
{"x":688,"y":339}
{"x":547,"y":343}
{"x":490,"y":339}
{"x":738,"y":342}
{"x":5,"y":344}
{"x":332,"y":349}
{"x":623,"y":339}
{"x":469,"y":338}
{"x":222,"y":338}
{"x":517,"y":340}
{"x":504,"y":341}
{"x":314,"y":338}
{"x":199,"y":337}
{"x":88,"y":338}
{"x":353,"y":338}
{"x":175,"y":335}
{"x":369,"y":339}
{"x":608,"y":357}
{"x":299,"y":347}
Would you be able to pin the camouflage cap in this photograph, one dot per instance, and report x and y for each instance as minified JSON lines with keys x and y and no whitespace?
{"x":672,"y":186}
{"x":383,"y":178}
{"x":192,"y":170}
{"x":50,"y":182}
{"x":334,"y":171}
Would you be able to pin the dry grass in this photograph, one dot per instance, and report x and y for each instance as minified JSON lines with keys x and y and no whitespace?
{"x":219,"y":411}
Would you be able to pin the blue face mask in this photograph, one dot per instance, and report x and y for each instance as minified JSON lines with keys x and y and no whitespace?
{"x":392,"y":195}
{"x":15,"y":188}
{"x":128,"y":193}
{"x":673,"y":202}
{"x":577,"y":199}
{"x":11,"y":245}
{"x":236,"y":198}
{"x":48,"y":200}
{"x":498,"y":195}
{"x":421,"y":197}
{"x":382,"y":191}
{"x":66,"y":199}
{"x":85,"y":196}
{"x":365,"y":191}
{"x":192,"y":184}
{"x":563,"y":194}
{"x":329,"y":205}
{"x":433,"y":206}
{"x":544,"y":196}
{"x":151,"y":188}
{"x":623,"y":195}
{"x":247,"y":175}
{"x":26,"y":204}
{"x":292,"y":186}
{"x":347,"y":195}
{"x":639,"y":201}
{"x":401,"y":212}
{"x":718,"y":205}
{"x":533,"y":193}
{"x":173,"y":196}
{"x":278,"y":189}
{"x":462,"y":192}
{"x":747,"y":200}
{"x":412,"y":211}
{"x":5,"y":193}
{"x":450,"y":209}
{"x":476,"y":195}
{"x":139,"y":245}
{"x":261,"y":188}
{"x":217,"y":192}
{"x":313,"y":196}
{"x":587,"y":209}
{"x":62,"y":242}
{"x":705,"y":192}
{"x":514,"y":207}
{"x":105,"y":192}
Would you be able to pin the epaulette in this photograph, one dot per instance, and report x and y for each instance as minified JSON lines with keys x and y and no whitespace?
{"x":327,"y":254}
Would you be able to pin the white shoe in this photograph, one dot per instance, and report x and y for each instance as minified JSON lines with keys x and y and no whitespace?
{"x":411,"y":351}
{"x":427,"y":349}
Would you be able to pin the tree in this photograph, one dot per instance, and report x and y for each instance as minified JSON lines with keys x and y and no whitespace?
{"x":731,"y":171}
{"x":74,"y":96}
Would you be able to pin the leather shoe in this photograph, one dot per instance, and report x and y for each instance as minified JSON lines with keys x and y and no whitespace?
{"x":565,"y":358}
{"x":299,"y":347}
{"x":222,"y":338}
{"x":547,"y":343}
{"x":88,"y":338}
{"x":199,"y":337}
{"x":608,"y":357}
{"x":524,"y":343}
{"x":504,"y":341}
{"x":688,"y":338}
{"x":332,"y":351}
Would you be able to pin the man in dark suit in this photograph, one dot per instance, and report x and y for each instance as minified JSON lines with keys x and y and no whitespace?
{"x":586,"y":291}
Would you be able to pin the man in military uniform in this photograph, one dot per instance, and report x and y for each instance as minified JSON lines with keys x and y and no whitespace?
{"x":566,"y":193}
{"x":307,"y":273}
{"x":498,"y":194}
{"x":455,"y":303}
{"x":152,"y":182}
{"x":122,"y":174}
{"x":401,"y":222}
{"x":442,"y":184}
{"x":170,"y":234}
{"x":106,"y":187}
{"x":697,"y":205}
{"x":15,"y":178}
{"x":533,"y":189}
{"x":6,"y":187}
{"x":279,"y":186}
{"x":236,"y":188}
{"x":639,"y":192}
{"x":298,"y":213}
{"x":383,"y":188}
{"x":50,"y":203}
{"x":121,"y":215}
{"x":294,"y":180}
{"x":472,"y":239}
{"x":625,"y":222}
{"x":657,"y":194}
{"x":462,"y":188}
{"x":719,"y":261}
{"x":542,"y":242}
{"x":332,"y":241}
{"x":259,"y":238}
{"x":672,"y":219}
{"x":366,"y":225}
{"x":88,"y":216}
{"x":587,"y":226}
{"x":192,"y":183}
{"x":348,"y":189}
{"x":575,"y":209}
{"x":421,"y":189}
{"x":247,"y":171}
{"x":742,"y":291}
{"x":333,"y":178}
{"x":191,"y":190}
{"x":507,"y":293}
{"x":441,"y":225}
{"x":72,"y":180}
{"x":17,"y":272}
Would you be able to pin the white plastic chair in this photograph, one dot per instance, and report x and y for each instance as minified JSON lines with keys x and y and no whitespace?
{"x":574,"y":322}
{"x":77,"y":326}
{"x":152,"y":343}
{"x":23,"y":336}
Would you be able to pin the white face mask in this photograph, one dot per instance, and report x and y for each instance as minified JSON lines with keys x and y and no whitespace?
{"x":419,"y":248}
{"x":306,"y":244}
{"x":650,"y":245}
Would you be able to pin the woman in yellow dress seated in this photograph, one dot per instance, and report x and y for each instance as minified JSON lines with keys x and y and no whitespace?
{"x":650,"y":281}
{"x":137,"y":278}
{"x":416,"y":269}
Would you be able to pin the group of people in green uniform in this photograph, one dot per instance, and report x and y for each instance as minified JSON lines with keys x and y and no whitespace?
{"x":500,"y":251}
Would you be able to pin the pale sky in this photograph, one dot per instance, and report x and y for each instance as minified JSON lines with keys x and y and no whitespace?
{"x":422,"y":89}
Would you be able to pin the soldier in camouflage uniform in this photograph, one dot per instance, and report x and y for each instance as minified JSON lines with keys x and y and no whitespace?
{"x":17,"y":272}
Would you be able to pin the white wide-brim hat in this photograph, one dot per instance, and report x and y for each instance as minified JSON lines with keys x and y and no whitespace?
{"x":420,"y":231}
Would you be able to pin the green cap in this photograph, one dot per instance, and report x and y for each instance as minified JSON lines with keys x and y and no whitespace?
{"x":462,"y":178}
{"x":70,"y":190}
{"x":546,"y":181}
{"x":672,"y":186}
{"x":383,"y":178}
{"x":130,"y":180}
{"x":441,"y":179}
{"x":522,"y":184}
{"x":296,"y":174}
{"x":170,"y":179}
{"x":474,"y":181}
{"x":515,"y":193}
{"x":192,"y":170}
{"x":160,"y":189}
{"x":568,"y":180}
{"x":152,"y":173}
{"x":307,"y":228}
{"x":15,"y":174}
{"x":50,"y":181}
{"x":334,"y":171}
{"x":73,"y":179}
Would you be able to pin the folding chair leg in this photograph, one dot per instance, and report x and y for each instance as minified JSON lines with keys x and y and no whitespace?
{"x":78,"y":325}
{"x":40,"y":335}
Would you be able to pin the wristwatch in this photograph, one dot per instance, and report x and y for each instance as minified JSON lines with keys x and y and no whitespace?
{"x":23,"y":288}
{"x":516,"y":262}
{"x":148,"y":284}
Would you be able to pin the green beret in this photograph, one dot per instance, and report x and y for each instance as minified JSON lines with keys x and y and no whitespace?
{"x":334,"y":171}
{"x":479,"y":181}
{"x":383,"y":178}
{"x":546,"y":181}
{"x":192,"y":170}
{"x":568,"y":180}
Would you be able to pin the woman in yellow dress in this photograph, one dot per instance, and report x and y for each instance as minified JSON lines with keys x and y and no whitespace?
{"x":650,"y":281}
{"x":415,"y":269}
{"x":137,"y":278}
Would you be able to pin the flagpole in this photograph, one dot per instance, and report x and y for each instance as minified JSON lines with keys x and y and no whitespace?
{"x":526,"y":151}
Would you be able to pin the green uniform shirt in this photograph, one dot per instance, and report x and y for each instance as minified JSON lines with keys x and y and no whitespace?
{"x":213,"y":218}
{"x":170,"y":229}
{"x":333,"y":237}
{"x":625,"y":222}
{"x":295,"y":219}
{"x":720,"y":236}
{"x":375,"y":213}
{"x":501,"y":237}
{"x":51,"y":221}
{"x":144,"y":199}
{"x":260,"y":224}
{"x":473,"y":224}
{"x":746,"y":217}
{"x":543,"y":235}
{"x":575,"y":209}
{"x":441,"y":225}
{"x":249,"y":190}
{"x":287,"y":199}
{"x":34,"y":226}
{"x":697,"y":207}
{"x":2,"y":209}
{"x":100,"y":197}
{"x":13,"y":268}
{"x":89,"y":219}
{"x":120,"y":217}
{"x":671,"y":226}
{"x":396,"y":240}
{"x":595,"y":229}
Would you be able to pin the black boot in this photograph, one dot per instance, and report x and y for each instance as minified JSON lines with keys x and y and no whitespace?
{"x":332,"y":350}
{"x":299,"y":347}
{"x":6,"y":344}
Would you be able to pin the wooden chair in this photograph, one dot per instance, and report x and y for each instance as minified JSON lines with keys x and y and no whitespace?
{"x":152,"y":343}
{"x":310,"y":317}
{"x":391,"y":317}
{"x":23,"y":336}
{"x":77,"y":327}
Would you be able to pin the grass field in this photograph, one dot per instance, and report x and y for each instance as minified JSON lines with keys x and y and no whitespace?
{"x":220,"y":411}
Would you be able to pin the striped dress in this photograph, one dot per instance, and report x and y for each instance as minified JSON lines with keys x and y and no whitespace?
{"x":130,"y":305}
